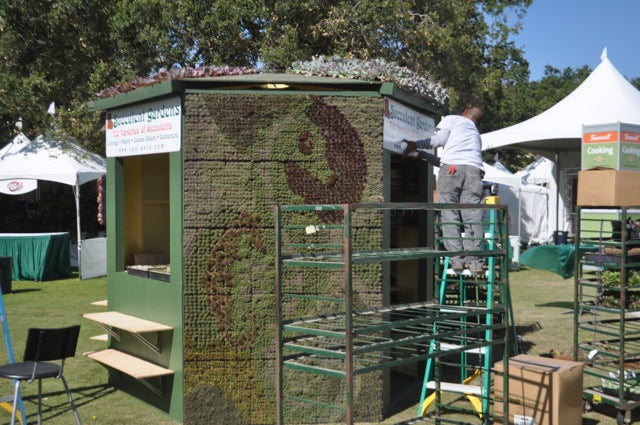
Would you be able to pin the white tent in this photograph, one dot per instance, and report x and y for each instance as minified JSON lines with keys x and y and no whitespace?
{"x":53,"y":159}
{"x":500,"y":175}
{"x":538,"y":209}
{"x":604,"y":97}
{"x":528,"y":194}
{"x":17,"y":186}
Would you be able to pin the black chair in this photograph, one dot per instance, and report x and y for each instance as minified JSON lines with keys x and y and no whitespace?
{"x":43,"y":346}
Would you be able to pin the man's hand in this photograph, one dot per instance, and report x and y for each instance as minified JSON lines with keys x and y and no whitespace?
{"x":411,"y":147}
{"x":431,"y":159}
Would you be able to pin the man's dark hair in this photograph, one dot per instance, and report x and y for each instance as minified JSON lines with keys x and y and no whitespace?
{"x":476,"y":111}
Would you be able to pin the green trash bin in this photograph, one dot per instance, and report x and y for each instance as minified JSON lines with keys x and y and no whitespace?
{"x":5,"y":274}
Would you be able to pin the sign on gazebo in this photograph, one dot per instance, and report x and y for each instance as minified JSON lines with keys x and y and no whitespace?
{"x":150,"y":128}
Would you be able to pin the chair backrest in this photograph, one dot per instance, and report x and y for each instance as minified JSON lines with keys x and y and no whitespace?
{"x":44,"y":344}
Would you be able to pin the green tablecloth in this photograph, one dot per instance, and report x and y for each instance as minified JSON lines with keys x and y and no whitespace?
{"x":37,"y":256}
{"x":558,"y":259}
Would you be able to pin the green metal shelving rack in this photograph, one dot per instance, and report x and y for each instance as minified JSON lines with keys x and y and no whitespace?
{"x":607,"y":308}
{"x":342,"y":341}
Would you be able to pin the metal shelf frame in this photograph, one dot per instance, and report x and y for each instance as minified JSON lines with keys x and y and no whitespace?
{"x":607,"y":335}
{"x":343,"y":341}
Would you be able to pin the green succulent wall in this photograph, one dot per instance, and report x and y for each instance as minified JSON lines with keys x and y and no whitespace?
{"x":244,"y":153}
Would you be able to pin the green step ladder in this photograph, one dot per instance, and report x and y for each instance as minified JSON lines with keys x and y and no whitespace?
{"x":478,"y":396}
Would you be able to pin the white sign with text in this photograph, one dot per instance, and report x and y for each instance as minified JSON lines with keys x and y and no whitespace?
{"x":402,"y":122}
{"x":149,"y":128}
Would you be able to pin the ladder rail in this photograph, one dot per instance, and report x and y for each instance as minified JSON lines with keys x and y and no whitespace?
{"x":10,"y":356}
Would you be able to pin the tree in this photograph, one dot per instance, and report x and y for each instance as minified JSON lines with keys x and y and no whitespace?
{"x":463,"y":43}
{"x":68,"y":50}
{"x":48,"y":51}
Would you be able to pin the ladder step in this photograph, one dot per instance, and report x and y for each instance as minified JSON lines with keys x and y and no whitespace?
{"x":456,"y":388}
{"x":445,"y":346}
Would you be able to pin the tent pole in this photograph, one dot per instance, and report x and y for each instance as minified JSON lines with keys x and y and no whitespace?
{"x":520,"y":213}
{"x":77,"y":196}
{"x":557,"y":191}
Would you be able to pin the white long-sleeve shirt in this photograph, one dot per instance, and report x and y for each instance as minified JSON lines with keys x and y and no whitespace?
{"x":460,"y":140}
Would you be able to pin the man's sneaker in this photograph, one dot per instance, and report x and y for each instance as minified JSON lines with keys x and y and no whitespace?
{"x":456,"y":270}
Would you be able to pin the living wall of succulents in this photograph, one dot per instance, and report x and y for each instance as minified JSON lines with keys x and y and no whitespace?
{"x":243,"y":154}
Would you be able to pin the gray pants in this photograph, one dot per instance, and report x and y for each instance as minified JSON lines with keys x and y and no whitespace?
{"x":462,"y":184}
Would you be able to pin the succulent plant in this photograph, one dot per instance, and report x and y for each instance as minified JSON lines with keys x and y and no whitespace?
{"x":177,"y":73}
{"x":374,"y":69}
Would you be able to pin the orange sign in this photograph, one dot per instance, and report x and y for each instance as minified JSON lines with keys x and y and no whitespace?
{"x":631,"y":137}
{"x":600,"y":137}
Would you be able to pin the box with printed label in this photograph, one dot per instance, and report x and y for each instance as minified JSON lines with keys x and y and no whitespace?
{"x":542,"y":391}
{"x":615,"y":146}
{"x":608,"y":188}
{"x":523,"y":415}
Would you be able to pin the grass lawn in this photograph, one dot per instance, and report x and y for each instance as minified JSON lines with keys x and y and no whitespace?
{"x":543,"y":310}
{"x":542,"y":302}
{"x":62,"y":303}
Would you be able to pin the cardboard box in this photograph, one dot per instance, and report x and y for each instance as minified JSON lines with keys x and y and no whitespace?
{"x":522,"y":415}
{"x":545,"y":389}
{"x":608,"y":188}
{"x":614,"y":146}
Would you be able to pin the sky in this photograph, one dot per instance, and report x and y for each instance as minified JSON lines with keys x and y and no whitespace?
{"x":573,"y":33}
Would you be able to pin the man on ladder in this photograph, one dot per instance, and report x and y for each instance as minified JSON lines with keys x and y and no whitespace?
{"x":459,"y":181}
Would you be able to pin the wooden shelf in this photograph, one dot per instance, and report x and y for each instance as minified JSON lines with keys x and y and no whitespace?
{"x":112,"y":322}
{"x":102,"y":338}
{"x":126,"y":322}
{"x":132,"y":366}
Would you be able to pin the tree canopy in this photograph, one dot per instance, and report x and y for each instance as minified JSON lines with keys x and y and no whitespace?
{"x":69,"y":50}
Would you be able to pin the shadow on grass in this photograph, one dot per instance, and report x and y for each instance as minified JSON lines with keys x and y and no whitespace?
{"x":558,"y":304}
{"x":522,"y":330}
{"x":528,"y":328}
{"x":607,"y":411}
{"x":22,"y":291}
{"x":81,"y":397}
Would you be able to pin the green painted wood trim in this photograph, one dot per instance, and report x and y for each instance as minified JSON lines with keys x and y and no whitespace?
{"x":392,"y":90}
{"x":148,"y":298}
{"x":137,"y":96}
{"x":115,"y":197}
{"x":344,"y":93}
{"x":250,"y":84}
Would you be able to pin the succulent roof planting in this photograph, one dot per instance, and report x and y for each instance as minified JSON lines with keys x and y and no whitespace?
{"x":177,"y":74}
{"x":374,"y":69}
{"x":422,"y":85}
